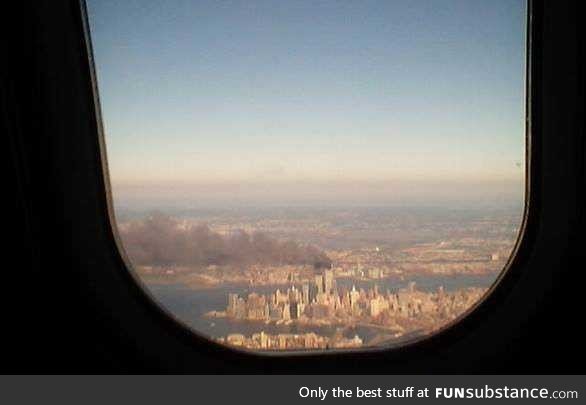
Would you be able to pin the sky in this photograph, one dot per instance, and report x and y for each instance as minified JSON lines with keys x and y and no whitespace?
{"x":312,"y":102}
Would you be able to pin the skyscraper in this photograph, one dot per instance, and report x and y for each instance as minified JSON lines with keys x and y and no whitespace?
{"x":328,"y":278}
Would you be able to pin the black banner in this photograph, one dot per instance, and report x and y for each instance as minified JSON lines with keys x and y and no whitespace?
{"x":290,"y":389}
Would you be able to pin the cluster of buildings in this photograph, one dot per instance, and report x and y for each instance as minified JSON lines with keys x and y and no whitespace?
{"x":321,"y":302}
{"x":294,"y":303}
{"x":460,"y":256}
{"x":290,"y":341}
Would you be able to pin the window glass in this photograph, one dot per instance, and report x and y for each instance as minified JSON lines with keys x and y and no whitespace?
{"x":314,"y":175}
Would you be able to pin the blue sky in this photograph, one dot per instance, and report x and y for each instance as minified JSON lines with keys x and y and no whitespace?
{"x":295,"y":95}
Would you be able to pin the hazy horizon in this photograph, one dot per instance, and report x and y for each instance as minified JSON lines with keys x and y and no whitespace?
{"x":301,"y":103}
{"x":373,"y":194}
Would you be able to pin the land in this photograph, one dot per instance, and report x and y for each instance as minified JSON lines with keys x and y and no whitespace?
{"x":322,"y":303}
{"x":304,"y":253}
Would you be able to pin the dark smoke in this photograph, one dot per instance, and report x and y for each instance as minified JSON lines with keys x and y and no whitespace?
{"x":159,"y":240}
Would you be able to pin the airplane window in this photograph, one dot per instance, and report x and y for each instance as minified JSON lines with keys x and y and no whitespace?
{"x":314,"y":175}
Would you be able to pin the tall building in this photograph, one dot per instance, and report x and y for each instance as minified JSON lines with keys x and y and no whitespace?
{"x":240,"y":311}
{"x":313,"y":291}
{"x":319,"y":282}
{"x":354,"y":297}
{"x":293,"y":310}
{"x":264,"y":340}
{"x":232,"y":304}
{"x":286,"y":312}
{"x":328,"y":279}
{"x":305,"y":293}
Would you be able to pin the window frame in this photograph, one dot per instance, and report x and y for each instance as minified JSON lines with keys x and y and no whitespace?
{"x":405,"y":345}
{"x":128,"y":313}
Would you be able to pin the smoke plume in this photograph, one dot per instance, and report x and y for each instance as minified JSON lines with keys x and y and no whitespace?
{"x":162,"y":240}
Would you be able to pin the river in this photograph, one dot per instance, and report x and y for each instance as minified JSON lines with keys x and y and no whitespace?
{"x":190,"y":305}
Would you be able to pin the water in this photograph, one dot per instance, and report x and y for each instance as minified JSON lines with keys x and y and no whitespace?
{"x":190,"y":305}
